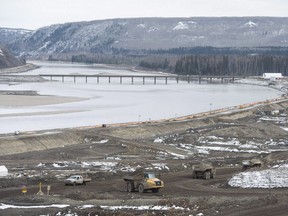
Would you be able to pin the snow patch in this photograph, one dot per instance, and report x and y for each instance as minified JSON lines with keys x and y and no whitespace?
{"x":5,"y":206}
{"x":286,"y":129}
{"x":181,"y":26}
{"x":141,"y":26}
{"x":276,"y":177}
{"x":156,"y":208}
{"x":160,"y":166}
{"x":177,"y":156}
{"x":158,"y":140}
{"x":60,"y":165}
{"x":250,"y":24}
{"x":102,"y":141}
{"x":3,"y":171}
{"x":40,"y":165}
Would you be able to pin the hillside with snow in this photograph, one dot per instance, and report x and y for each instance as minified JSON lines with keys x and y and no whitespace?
{"x":152,"y":33}
{"x":8,"y":35}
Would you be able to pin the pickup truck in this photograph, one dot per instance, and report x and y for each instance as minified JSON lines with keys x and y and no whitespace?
{"x":76,"y":180}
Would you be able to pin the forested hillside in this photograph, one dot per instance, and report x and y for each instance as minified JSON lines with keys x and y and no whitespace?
{"x":195,"y":45}
{"x":231,"y":65}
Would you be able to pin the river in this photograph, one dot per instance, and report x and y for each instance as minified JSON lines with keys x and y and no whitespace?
{"x":95,"y":103}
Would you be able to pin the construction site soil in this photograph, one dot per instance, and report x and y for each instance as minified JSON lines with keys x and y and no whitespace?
{"x":51,"y":156}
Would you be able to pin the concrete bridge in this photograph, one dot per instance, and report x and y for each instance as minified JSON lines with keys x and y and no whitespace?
{"x":144,"y":78}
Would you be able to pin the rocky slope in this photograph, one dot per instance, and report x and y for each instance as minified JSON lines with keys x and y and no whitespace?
{"x":8,"y":60}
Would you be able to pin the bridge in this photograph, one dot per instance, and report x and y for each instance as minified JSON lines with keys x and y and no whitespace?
{"x":144,"y":78}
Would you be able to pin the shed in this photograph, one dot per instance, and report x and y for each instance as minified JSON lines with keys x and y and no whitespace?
{"x":272,"y":75}
{"x":3,"y":171}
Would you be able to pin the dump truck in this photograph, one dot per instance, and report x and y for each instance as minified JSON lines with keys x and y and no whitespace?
{"x":143,"y":181}
{"x":76,"y":180}
{"x":204,"y":171}
{"x":253,"y":163}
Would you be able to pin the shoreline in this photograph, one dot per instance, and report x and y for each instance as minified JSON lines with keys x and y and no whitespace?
{"x":18,"y":98}
{"x":19,"y":69}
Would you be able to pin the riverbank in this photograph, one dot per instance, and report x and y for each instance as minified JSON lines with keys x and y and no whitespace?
{"x":106,"y":154}
{"x":19,"y":69}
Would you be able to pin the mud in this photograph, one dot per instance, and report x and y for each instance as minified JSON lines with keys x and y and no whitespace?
{"x":168,"y":148}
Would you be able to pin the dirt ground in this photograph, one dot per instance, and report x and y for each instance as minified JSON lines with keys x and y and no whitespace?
{"x":169,"y":148}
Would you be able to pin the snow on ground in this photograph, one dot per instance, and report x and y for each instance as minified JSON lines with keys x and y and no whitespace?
{"x":181,"y":26}
{"x":102,"y":165}
{"x":275,"y":177}
{"x":286,"y":129}
{"x":3,"y":171}
{"x":157,"y":208}
{"x":206,"y":144}
{"x":124,"y":207}
{"x":6,"y":206}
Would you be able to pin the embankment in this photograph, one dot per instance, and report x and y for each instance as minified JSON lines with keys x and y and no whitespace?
{"x":28,"y":142}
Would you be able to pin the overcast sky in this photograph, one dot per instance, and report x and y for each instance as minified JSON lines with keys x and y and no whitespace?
{"x":33,"y":14}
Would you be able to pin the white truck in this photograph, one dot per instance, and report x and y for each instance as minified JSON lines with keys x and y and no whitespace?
{"x":76,"y":180}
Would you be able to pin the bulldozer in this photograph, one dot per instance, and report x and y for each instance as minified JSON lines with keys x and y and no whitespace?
{"x":204,"y":171}
{"x":143,"y":181}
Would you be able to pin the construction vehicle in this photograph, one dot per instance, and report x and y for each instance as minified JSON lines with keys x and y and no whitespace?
{"x":143,"y":182}
{"x":204,"y":171}
{"x":76,"y":180}
{"x":253,"y":163}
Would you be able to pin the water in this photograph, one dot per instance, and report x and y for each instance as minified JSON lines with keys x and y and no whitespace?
{"x":106,"y":103}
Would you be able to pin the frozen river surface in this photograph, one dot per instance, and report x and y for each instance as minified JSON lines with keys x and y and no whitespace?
{"x":104,"y":103}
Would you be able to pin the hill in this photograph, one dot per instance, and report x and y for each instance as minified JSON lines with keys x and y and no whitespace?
{"x":152,"y":33}
{"x":8,"y":60}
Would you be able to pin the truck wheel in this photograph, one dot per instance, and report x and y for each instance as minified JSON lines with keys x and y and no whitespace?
{"x":141,"y":188}
{"x":130,"y":187}
{"x":207,"y":175}
{"x":213,"y":175}
{"x":126,"y":187}
{"x":194,"y":175}
{"x":155,"y":190}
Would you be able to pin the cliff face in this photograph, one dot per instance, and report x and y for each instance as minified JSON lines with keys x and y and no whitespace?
{"x":8,"y":60}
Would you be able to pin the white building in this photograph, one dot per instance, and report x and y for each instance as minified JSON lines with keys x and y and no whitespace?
{"x":272,"y":76}
{"x":3,"y":171}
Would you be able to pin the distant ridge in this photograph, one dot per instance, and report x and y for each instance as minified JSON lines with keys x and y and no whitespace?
{"x":150,"y":33}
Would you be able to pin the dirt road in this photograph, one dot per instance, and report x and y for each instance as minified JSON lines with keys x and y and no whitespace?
{"x":170,"y":149}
